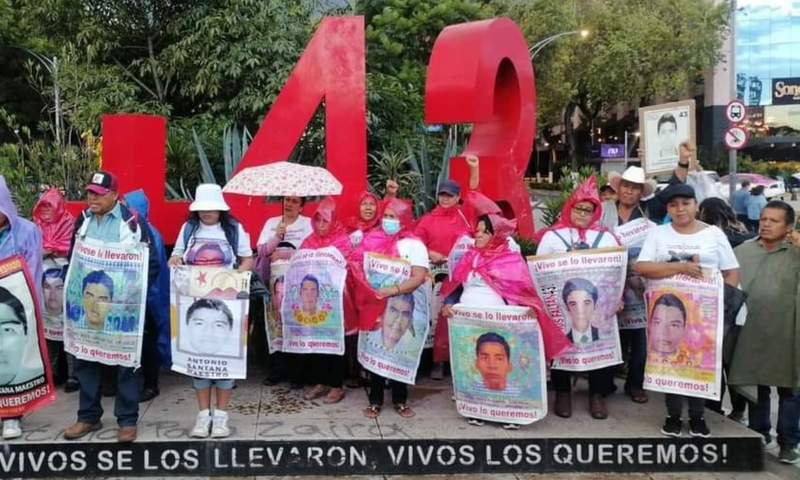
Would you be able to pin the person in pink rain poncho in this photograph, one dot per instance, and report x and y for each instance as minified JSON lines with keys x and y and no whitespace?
{"x":578,"y":228}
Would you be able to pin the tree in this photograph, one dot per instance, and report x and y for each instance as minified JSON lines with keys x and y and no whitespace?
{"x":637,"y":50}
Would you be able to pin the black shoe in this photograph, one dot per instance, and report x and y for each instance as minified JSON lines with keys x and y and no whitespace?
{"x":272,"y":380}
{"x":147,"y":394}
{"x":71,"y":385}
{"x":698,"y":428}
{"x":673,"y":427}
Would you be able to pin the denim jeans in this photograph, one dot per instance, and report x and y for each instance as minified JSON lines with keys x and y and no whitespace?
{"x":126,"y":404}
{"x":788,"y":415}
{"x":675,"y":406}
{"x":634,"y":340}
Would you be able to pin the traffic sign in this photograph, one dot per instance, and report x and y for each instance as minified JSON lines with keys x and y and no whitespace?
{"x":735,"y":111}
{"x":735,"y":138}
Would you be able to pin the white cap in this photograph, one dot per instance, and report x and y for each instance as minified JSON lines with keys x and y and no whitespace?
{"x":208,"y":198}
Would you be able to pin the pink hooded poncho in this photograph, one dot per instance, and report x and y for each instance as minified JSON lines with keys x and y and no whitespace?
{"x":57,"y":227}
{"x":505,"y":272}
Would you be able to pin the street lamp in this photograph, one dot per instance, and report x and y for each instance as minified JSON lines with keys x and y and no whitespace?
{"x":538,"y":46}
{"x":51,"y":65}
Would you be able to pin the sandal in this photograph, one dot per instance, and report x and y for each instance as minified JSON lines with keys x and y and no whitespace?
{"x":404,"y":410}
{"x":638,"y":395}
{"x":475,"y":422}
{"x":315,"y":392}
{"x":372,"y":411}
{"x":334,"y":396}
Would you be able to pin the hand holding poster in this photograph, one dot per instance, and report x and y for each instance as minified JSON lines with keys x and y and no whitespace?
{"x":632,"y":234}
{"x":272,"y":309}
{"x":313,"y":303}
{"x":26,"y":382}
{"x":105,"y":300}
{"x":498,"y":364}
{"x":581,"y":291}
{"x":663,"y":129}
{"x":208,"y":310}
{"x":684,"y":335}
{"x":394,"y":349}
{"x":53,"y":293}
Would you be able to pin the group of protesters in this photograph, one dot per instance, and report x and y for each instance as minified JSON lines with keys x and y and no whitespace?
{"x":490,"y":272}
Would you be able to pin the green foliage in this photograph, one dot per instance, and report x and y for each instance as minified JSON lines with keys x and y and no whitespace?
{"x":527,"y":246}
{"x":568,"y":182}
{"x":636,"y":50}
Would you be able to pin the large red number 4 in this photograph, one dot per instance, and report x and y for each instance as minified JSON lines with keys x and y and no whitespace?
{"x":480,"y":73}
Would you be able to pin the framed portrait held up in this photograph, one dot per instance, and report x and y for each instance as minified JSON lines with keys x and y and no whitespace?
{"x":663,"y":128}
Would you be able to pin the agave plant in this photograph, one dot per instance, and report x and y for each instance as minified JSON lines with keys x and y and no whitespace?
{"x":234,"y":146}
{"x":428,"y":180}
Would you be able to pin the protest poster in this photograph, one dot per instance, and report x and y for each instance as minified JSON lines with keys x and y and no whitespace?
{"x":313,"y":302}
{"x":459,"y":249}
{"x":581,"y":291}
{"x":272,"y":308}
{"x":208,"y":328}
{"x":26,"y":382}
{"x":394,"y":349}
{"x":437,"y":274}
{"x":632,"y":235}
{"x":663,"y":129}
{"x":498,"y":365}
{"x":53,"y":293}
{"x":685,"y":320}
{"x":105,"y":299}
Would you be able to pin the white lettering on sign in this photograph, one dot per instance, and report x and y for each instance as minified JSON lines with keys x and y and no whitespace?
{"x":784,"y":90}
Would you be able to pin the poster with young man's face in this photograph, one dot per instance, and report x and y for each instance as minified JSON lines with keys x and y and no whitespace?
{"x":25,"y":378}
{"x":53,"y":297}
{"x":663,"y":128}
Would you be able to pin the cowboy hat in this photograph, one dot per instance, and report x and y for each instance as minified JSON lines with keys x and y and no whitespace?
{"x":633,"y":175}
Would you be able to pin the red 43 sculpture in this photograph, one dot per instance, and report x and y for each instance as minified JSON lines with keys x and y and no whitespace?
{"x":479,"y":73}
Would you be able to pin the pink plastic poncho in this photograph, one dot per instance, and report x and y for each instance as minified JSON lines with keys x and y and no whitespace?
{"x":356,"y":223}
{"x":586,"y":192}
{"x":57,"y":227}
{"x":505,"y":272}
{"x":368,"y":301}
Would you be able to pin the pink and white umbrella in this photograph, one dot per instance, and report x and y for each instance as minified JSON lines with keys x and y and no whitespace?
{"x":284,"y":179}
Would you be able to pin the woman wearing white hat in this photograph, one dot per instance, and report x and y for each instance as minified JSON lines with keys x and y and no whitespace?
{"x":212,"y":237}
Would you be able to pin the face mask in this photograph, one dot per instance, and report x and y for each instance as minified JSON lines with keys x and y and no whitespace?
{"x":390,"y":225}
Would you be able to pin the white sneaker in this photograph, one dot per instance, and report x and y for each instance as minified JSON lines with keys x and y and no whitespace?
{"x":220,"y":429}
{"x":202,"y":428}
{"x":11,"y":429}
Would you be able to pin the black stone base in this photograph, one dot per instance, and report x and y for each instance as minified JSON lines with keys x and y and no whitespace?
{"x":360,"y":457}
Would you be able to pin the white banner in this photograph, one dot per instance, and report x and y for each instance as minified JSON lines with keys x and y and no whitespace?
{"x":393,"y":350}
{"x":104,"y":302}
{"x":581,"y":291}
{"x":632,"y":234}
{"x":209,"y":308}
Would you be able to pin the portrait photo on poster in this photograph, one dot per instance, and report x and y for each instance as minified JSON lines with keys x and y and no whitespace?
{"x":580,"y":298}
{"x":404,"y":323}
{"x":20,"y":358}
{"x":104,"y":300}
{"x":663,"y":128}
{"x":210,"y":327}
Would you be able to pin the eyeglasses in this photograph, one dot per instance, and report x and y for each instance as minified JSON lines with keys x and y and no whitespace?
{"x":583,"y":211}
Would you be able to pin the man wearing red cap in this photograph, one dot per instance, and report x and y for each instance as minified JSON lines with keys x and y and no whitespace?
{"x":107,"y":220}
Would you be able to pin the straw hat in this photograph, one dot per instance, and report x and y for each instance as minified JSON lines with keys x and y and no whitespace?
{"x":633,"y":175}
{"x":208,"y":198}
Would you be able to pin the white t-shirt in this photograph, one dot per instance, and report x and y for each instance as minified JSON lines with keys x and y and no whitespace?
{"x":552,"y":244}
{"x":414,"y":252}
{"x":477,"y":292}
{"x":356,"y":237}
{"x":208,"y":246}
{"x":295,"y":233}
{"x":664,"y":244}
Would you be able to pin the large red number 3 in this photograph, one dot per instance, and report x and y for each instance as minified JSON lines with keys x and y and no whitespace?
{"x":480,"y":73}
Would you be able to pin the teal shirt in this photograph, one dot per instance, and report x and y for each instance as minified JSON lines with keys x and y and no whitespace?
{"x":108,"y":229}
{"x":4,"y":233}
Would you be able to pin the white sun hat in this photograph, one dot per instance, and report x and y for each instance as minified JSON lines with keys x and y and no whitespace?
{"x":208,"y":198}
{"x":633,"y":175}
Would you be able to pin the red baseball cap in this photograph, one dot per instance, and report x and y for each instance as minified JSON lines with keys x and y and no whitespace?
{"x":103,"y":182}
